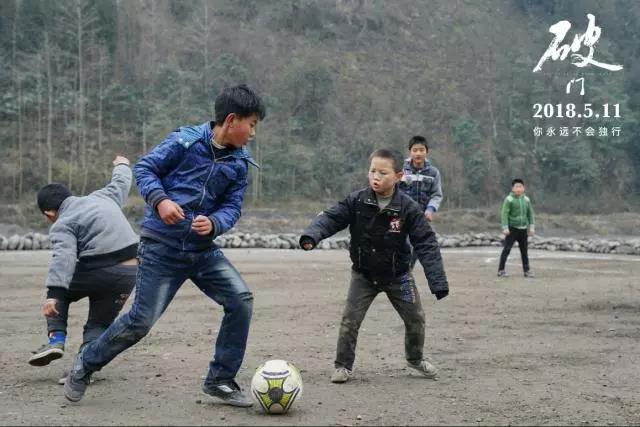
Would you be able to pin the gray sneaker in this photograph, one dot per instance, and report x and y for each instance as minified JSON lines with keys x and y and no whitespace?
{"x":47,"y":354}
{"x":425,"y":368}
{"x":63,"y":379}
{"x":502,"y":273}
{"x":77,"y":381}
{"x":341,"y":375}
{"x":228,"y":393}
{"x":529,"y":274}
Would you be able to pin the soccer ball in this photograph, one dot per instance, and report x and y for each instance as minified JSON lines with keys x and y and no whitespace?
{"x":276,"y":385}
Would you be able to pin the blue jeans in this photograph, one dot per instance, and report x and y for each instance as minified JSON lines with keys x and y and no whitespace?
{"x":161,"y":272}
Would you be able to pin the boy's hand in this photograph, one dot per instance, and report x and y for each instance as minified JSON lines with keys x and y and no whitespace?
{"x":202,"y":225}
{"x":428,"y":215}
{"x":307,"y":243}
{"x":441,"y":294}
{"x":121,"y":160}
{"x":170,"y":212}
{"x":506,"y":232}
{"x":49,"y":307}
{"x":531,"y":233}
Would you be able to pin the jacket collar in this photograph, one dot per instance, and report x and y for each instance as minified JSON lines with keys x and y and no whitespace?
{"x":408,"y":165}
{"x":237,"y":153}
{"x":64,"y":205}
{"x":370,"y":198}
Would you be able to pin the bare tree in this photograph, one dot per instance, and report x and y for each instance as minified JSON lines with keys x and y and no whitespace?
{"x":17,"y":81}
{"x":102,"y":63}
{"x":50,"y":156}
{"x":78,"y":24}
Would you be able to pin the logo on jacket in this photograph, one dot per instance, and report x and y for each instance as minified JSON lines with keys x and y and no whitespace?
{"x":395,"y":225}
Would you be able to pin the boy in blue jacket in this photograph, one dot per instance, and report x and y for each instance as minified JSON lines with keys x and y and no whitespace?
{"x":194,"y":184}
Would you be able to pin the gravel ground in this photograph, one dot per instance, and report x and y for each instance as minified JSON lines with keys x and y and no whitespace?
{"x":558,"y":349}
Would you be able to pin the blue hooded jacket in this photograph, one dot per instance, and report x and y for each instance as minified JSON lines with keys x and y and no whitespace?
{"x":202,"y":179}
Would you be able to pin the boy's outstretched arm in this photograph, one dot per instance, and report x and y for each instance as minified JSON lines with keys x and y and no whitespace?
{"x":425,"y":245}
{"x":120,"y":185}
{"x":327,"y":223}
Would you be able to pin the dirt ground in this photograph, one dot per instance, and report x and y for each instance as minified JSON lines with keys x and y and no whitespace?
{"x":558,"y":349}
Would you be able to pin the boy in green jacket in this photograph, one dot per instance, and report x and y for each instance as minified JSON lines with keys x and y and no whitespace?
{"x":517,"y":224}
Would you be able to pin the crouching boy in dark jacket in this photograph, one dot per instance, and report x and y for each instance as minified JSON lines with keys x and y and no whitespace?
{"x":380,"y":218}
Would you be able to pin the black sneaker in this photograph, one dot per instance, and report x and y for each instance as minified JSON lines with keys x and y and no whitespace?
{"x":502,"y":273}
{"x":77,"y":381}
{"x":229,"y":393}
{"x":47,"y":354}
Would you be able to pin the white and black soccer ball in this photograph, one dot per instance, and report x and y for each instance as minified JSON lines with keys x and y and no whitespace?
{"x":276,"y":385}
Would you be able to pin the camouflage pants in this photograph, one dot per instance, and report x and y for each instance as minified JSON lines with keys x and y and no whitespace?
{"x":404,"y":297}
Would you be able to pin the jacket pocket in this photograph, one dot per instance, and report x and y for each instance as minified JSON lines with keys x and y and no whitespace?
{"x":220,"y":180}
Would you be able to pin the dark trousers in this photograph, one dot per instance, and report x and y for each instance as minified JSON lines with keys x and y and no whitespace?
{"x":520,"y":236}
{"x":161,"y":272}
{"x":107,"y":289}
{"x":404,"y":297}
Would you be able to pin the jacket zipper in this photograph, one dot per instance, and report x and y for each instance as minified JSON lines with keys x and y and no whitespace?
{"x":393,"y":264}
{"x":204,"y":188}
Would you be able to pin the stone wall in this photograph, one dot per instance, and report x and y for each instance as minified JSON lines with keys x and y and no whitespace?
{"x":631,"y":246}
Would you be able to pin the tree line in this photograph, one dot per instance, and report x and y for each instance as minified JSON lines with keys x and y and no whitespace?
{"x":85,"y":79}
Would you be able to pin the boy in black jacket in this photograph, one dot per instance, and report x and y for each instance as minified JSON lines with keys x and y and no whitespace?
{"x":380,"y":218}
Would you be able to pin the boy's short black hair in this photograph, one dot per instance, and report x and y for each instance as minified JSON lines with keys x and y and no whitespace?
{"x":393,"y":155}
{"x":51,"y":196}
{"x":517,"y":181}
{"x":418,"y":139}
{"x":239,"y":100}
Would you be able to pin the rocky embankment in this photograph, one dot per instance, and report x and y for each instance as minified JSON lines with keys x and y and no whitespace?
{"x":631,"y":246}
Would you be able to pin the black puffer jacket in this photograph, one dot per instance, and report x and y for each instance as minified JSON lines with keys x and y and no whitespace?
{"x":379,"y":248}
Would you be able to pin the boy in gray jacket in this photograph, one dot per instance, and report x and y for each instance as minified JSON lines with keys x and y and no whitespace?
{"x":94,"y":255}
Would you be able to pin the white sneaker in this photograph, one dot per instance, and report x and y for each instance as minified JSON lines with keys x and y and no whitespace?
{"x":341,"y":375}
{"x":425,"y":368}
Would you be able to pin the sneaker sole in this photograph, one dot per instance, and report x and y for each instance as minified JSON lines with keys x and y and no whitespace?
{"x":70,"y":394}
{"x":425,"y":374}
{"x":46,"y":357}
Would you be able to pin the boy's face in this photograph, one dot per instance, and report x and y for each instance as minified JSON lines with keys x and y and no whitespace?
{"x":382,"y":177}
{"x":419,"y":153}
{"x":518,"y":189}
{"x":241,"y":129}
{"x":51,"y":215}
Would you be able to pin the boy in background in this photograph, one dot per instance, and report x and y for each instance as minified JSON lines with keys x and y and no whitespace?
{"x":517,"y":219}
{"x":421,"y":180}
